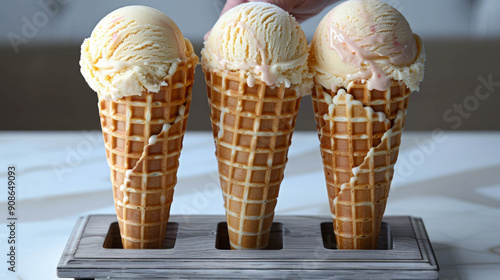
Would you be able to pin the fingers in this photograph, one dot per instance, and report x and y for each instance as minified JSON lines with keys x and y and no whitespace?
{"x":286,"y":5}
{"x":300,"y":9}
{"x":207,"y":34}
{"x":230,"y":4}
{"x":304,"y":9}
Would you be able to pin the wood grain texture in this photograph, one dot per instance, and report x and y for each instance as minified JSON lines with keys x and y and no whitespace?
{"x":405,"y":252}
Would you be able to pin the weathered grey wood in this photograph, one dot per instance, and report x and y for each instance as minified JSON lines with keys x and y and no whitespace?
{"x":297,"y":249}
{"x":73,"y":242}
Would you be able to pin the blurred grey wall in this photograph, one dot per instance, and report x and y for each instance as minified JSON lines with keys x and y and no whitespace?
{"x":42,"y":88}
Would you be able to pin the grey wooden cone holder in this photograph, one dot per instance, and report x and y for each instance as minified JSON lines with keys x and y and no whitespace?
{"x":197,"y":247}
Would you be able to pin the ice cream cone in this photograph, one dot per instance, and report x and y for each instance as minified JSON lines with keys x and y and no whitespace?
{"x":366,"y":61}
{"x":360,"y":134}
{"x":255,"y":64}
{"x":143,"y":138}
{"x":252,"y":129}
{"x":142,"y":68}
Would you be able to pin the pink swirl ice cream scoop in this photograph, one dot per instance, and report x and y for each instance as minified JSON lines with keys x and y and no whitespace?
{"x":369,"y":41}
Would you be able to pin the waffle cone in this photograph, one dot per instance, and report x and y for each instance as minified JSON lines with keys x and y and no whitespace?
{"x":360,"y":134}
{"x":143,"y":138}
{"x":252,"y":129}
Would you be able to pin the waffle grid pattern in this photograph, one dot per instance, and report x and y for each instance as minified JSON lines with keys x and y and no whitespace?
{"x":143,"y":139}
{"x":252,"y":129}
{"x":358,"y":177}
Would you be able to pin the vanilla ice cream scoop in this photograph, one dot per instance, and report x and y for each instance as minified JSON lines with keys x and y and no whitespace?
{"x":264,"y":42}
{"x":368,"y":41}
{"x":133,"y":49}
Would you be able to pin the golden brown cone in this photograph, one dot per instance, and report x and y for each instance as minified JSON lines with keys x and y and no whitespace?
{"x":251,"y":149}
{"x":144,"y":169}
{"x":359,"y":146}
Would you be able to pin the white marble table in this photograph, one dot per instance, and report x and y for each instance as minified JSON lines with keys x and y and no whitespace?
{"x":451,"y":180}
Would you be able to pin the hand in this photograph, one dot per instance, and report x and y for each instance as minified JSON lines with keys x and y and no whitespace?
{"x":300,"y":9}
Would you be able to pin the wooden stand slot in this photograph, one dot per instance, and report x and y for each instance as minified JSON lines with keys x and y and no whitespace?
{"x":114,"y":241}
{"x":275,"y":238}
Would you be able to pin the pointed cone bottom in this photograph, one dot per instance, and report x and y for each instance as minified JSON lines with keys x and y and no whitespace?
{"x":360,"y":134}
